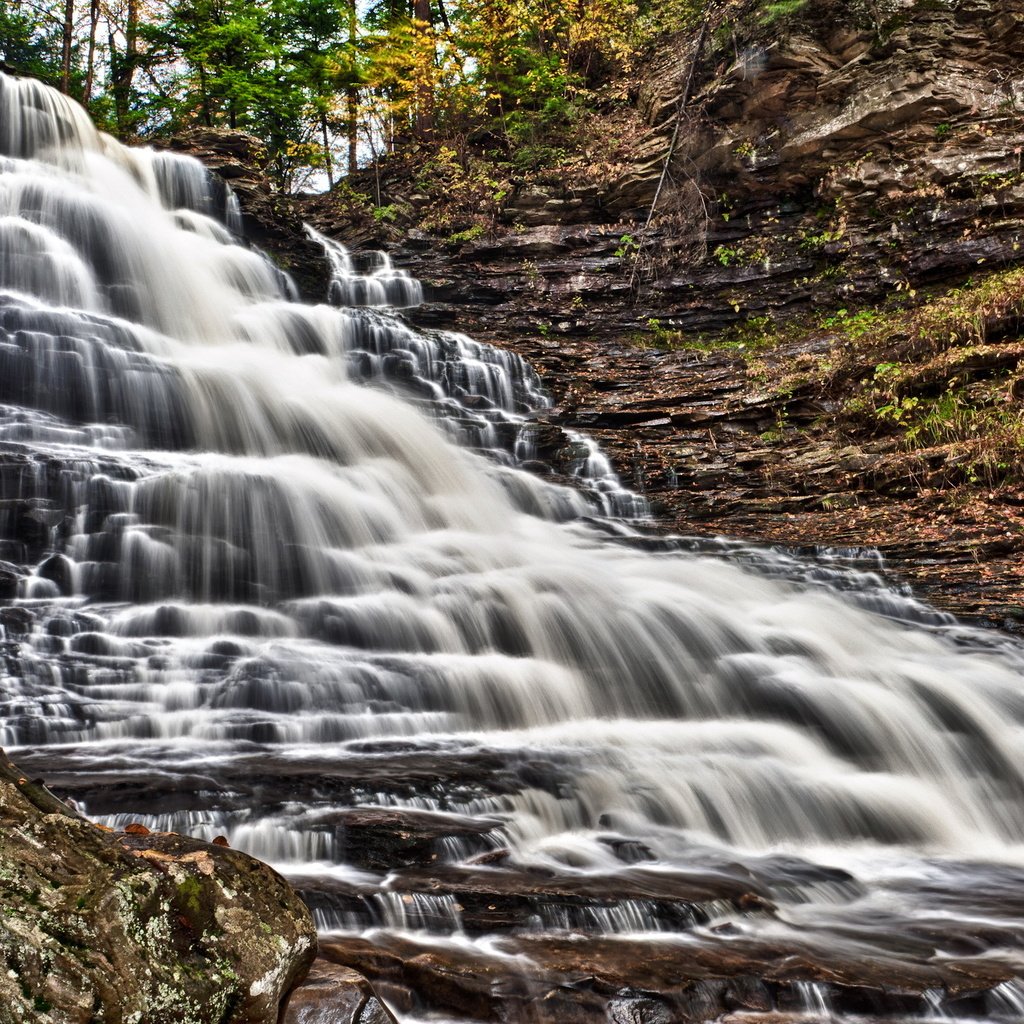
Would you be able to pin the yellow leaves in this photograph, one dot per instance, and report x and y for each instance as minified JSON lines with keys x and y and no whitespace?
{"x":405,"y":56}
{"x":531,"y":58}
{"x":156,"y":855}
{"x":552,"y":26}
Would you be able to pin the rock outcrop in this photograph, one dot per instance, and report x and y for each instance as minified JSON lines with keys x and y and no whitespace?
{"x":136,"y":927}
{"x":827,"y":159}
{"x":270,"y":219}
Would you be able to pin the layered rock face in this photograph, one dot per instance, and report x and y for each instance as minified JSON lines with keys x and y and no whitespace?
{"x":836,"y":158}
{"x":137,"y":926}
{"x":876,"y":155}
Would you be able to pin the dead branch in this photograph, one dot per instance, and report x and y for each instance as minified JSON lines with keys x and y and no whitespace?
{"x":684,"y":99}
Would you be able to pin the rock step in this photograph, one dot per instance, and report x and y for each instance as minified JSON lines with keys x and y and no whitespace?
{"x":333,"y":994}
{"x":577,"y":979}
{"x":500,"y":898}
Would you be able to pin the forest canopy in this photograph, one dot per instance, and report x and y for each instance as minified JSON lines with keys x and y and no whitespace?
{"x":329,"y":84}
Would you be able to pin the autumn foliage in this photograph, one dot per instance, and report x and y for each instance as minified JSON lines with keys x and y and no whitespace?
{"x":329,"y":84}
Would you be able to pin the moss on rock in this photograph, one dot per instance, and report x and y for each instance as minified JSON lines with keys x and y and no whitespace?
{"x":101,"y":927}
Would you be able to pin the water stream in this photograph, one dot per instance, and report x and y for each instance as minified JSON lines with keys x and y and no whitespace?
{"x":273,"y":571}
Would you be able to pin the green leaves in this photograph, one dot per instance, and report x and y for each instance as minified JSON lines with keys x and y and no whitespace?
{"x":30,"y":42}
{"x":274,"y":68}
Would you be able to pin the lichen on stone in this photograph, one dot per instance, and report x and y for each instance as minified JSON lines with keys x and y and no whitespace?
{"x":100,"y":927}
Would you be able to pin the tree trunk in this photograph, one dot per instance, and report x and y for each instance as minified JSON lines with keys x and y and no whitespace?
{"x":352,"y":93}
{"x":328,"y":162}
{"x":204,"y":96}
{"x":67,"y":35}
{"x":122,"y":68}
{"x":353,"y":130}
{"x":94,"y":20}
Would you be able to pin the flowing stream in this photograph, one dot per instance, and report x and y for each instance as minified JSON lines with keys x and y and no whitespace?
{"x":272,"y":571}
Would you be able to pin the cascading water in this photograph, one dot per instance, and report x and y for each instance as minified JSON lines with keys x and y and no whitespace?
{"x":381,"y":285}
{"x":271,"y":571}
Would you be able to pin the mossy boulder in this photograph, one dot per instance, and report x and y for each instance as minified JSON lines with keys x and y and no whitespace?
{"x":102,"y":927}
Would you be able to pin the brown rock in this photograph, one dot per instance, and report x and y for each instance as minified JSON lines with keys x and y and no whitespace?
{"x":333,"y":994}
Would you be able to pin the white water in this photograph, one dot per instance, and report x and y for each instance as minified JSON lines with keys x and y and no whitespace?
{"x":381,"y":284}
{"x":244,"y":525}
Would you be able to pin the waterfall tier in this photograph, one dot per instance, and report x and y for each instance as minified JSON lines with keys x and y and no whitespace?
{"x":274,"y":571}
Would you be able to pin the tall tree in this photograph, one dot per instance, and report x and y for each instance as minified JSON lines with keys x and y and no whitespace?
{"x":90,"y":64}
{"x":67,"y":38}
{"x":124,"y":61}
{"x":352,"y":92}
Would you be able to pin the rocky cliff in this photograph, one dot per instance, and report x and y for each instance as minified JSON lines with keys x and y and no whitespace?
{"x":836,"y":158}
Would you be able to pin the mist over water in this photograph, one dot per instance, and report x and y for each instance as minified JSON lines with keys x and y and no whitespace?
{"x":280,"y":562}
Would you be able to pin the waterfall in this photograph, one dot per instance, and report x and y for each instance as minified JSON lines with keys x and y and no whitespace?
{"x":270,"y":564}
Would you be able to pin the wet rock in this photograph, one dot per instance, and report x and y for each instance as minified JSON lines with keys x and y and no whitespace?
{"x":333,"y":994}
{"x":16,"y":621}
{"x":59,"y":570}
{"x":159,"y":926}
{"x":590,"y":978}
{"x":639,"y":1011}
{"x":387,"y":838}
{"x":491,"y":895}
{"x":464,"y":982}
{"x":499,"y":899}
{"x":10,"y":575}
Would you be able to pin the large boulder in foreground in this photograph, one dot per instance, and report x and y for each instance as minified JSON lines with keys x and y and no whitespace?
{"x":142,"y":928}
